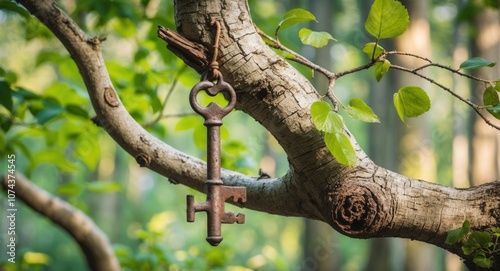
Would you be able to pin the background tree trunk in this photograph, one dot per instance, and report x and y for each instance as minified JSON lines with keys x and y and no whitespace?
{"x":485,"y":141}
{"x":316,"y":257}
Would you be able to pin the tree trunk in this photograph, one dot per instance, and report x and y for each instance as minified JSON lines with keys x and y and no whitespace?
{"x":361,"y":201}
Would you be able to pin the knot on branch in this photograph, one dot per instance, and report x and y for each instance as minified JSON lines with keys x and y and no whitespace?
{"x":357,"y":209}
{"x":143,"y":159}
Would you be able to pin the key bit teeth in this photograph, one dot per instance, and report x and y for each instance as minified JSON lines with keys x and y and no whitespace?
{"x":240,"y":218}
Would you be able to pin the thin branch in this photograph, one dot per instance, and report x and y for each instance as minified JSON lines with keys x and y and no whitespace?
{"x":167,"y":98}
{"x":297,"y":57}
{"x":330,"y":93}
{"x":93,"y":242}
{"x":432,"y":64}
{"x":476,"y":107}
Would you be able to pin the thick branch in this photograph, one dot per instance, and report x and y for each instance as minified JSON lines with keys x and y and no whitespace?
{"x":93,"y":242}
{"x":272,"y":195}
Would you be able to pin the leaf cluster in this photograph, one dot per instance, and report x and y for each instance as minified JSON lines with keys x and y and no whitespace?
{"x":386,"y":19}
{"x":484,"y":246}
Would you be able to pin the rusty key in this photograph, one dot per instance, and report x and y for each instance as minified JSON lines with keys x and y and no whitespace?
{"x":217,"y":193}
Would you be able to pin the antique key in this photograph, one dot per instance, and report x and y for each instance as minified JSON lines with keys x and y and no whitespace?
{"x":217,"y":194}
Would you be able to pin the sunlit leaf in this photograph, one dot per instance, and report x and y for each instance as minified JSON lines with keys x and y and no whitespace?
{"x":36,"y":258}
{"x":341,"y":148}
{"x":476,"y":63}
{"x":411,"y":101}
{"x":456,"y":235}
{"x":159,"y":221}
{"x":54,"y":157}
{"x":325,"y":119}
{"x":102,"y":187}
{"x":88,"y":150}
{"x":313,"y":38}
{"x":69,"y":189}
{"x":381,"y":69}
{"x":200,"y":137}
{"x":387,"y":19}
{"x":368,"y":50}
{"x":188,"y":122}
{"x":296,"y":16}
{"x":361,"y":111}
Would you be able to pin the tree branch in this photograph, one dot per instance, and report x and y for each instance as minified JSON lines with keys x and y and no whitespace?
{"x":93,"y":242}
{"x":361,"y":201}
{"x":270,"y":196}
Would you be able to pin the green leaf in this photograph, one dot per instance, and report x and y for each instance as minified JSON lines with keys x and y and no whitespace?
{"x":77,"y":111}
{"x":361,"y":111}
{"x":54,"y":157}
{"x":51,"y":109}
{"x":387,"y":19}
{"x":313,"y":38}
{"x":411,"y":101}
{"x":476,"y":240}
{"x":296,"y":16}
{"x":200,"y":137}
{"x":325,"y":119}
{"x":102,"y":187}
{"x":497,"y":85}
{"x":88,"y":150}
{"x":495,"y":230}
{"x":188,"y":122}
{"x":70,"y":189}
{"x":6,"y":95}
{"x":11,"y":6}
{"x":381,"y":69}
{"x":495,"y":111}
{"x":370,"y":47}
{"x":490,"y":97}
{"x":482,"y":261}
{"x":456,"y":235}
{"x":341,"y":148}
{"x":476,"y":63}
{"x":24,"y":94}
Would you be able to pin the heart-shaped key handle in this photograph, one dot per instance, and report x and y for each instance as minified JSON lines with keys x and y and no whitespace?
{"x":213,"y":113}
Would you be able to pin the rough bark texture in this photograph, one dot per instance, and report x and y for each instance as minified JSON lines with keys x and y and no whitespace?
{"x":362,"y":201}
{"x":93,"y":242}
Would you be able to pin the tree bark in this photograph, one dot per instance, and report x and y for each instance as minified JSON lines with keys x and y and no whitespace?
{"x":362,"y":201}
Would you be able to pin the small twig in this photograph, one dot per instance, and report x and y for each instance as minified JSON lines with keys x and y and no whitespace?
{"x":167,"y":98}
{"x":179,"y":115}
{"x":331,"y":94}
{"x":297,"y":57}
{"x":432,"y":64}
